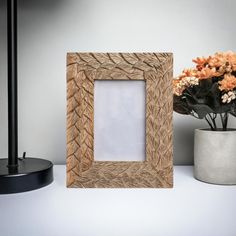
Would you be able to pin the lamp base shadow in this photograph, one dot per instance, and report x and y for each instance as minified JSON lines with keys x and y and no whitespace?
{"x":30,"y":174}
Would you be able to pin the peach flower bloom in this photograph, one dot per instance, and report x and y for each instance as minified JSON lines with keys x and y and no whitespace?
{"x":225,"y":62}
{"x":218,"y":65}
{"x":201,"y":62}
{"x":208,"y":73}
{"x":232,"y":60}
{"x":218,"y":60}
{"x":192,"y":72}
{"x":228,"y":83}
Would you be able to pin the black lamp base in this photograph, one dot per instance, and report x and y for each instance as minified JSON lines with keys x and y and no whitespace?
{"x":30,"y":174}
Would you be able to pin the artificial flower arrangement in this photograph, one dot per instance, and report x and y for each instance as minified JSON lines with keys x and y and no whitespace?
{"x":208,"y":91}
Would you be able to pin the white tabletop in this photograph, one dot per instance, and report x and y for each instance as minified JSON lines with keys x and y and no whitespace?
{"x":190,"y":208}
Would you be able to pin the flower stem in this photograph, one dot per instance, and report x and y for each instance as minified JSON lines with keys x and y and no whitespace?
{"x":224,"y":120}
{"x":209,"y":123}
{"x":213,"y":119}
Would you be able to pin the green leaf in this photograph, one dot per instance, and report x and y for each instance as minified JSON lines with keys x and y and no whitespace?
{"x":233,"y":109}
{"x":180,"y":105}
{"x":202,"y":110}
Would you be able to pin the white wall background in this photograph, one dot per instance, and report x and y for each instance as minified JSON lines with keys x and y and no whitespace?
{"x":48,"y":29}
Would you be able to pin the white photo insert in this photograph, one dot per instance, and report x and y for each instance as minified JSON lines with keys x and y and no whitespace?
{"x":119,"y":120}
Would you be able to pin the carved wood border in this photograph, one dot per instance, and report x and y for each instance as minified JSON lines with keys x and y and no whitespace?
{"x":156,"y":69}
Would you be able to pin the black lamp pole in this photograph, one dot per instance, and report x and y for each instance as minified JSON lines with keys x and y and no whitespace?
{"x":18,"y":174}
{"x":12,"y":83}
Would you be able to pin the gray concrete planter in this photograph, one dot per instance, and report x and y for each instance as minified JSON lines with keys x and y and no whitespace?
{"x":215,"y":156}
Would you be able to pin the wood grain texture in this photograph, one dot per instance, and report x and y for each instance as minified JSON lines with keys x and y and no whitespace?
{"x":156,"y":70}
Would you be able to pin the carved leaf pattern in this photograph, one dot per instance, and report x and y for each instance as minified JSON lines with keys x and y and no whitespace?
{"x":156,"y":70}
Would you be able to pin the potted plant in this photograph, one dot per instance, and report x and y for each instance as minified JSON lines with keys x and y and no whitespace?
{"x":208,"y":91}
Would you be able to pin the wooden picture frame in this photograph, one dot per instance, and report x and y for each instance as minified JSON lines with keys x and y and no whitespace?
{"x":156,"y":70}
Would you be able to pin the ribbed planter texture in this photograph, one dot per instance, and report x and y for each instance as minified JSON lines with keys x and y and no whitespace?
{"x":215,"y":156}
